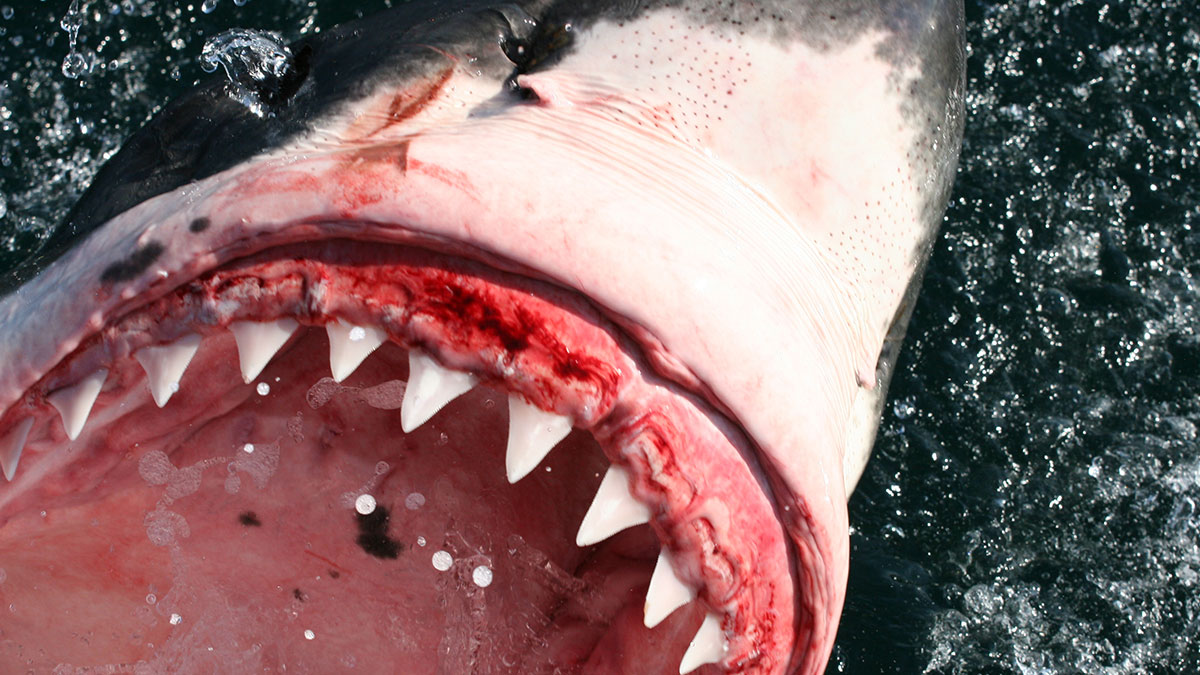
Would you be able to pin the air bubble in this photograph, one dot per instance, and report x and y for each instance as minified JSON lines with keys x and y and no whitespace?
{"x":248,"y":448}
{"x":420,"y":542}
{"x":365,"y":504}
{"x":151,"y":598}
{"x":482,"y":576}
{"x":357,"y":334}
{"x":263,"y":388}
{"x":442,"y":560}
{"x":414,"y":501}
{"x":308,"y":634}
{"x":381,"y":468}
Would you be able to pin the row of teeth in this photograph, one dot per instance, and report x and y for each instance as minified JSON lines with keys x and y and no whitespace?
{"x":532,"y":434}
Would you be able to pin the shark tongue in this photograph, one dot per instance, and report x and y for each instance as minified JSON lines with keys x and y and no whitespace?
{"x":273,"y":516}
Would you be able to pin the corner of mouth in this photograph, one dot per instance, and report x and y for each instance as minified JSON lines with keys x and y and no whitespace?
{"x":397,"y":425}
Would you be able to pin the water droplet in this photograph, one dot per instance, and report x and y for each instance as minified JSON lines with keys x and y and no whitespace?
{"x":175,"y":619}
{"x":357,"y":334}
{"x":365,"y":504}
{"x":6,"y":12}
{"x":482,"y":576}
{"x":263,"y":388}
{"x":208,"y":6}
{"x":248,"y":448}
{"x":420,"y":541}
{"x":442,"y":560}
{"x":308,"y":634}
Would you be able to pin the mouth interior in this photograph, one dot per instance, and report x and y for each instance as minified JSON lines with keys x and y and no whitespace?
{"x":291,"y":522}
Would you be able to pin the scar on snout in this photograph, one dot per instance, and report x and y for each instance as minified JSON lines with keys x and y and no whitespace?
{"x":249,"y":519}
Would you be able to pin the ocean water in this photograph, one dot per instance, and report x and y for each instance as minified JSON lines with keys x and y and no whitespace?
{"x":1032,"y":505}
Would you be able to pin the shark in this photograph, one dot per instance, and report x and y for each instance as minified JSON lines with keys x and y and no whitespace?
{"x":542,"y":336}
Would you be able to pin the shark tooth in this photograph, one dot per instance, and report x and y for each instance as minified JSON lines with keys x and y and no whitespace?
{"x":350,"y":345}
{"x":532,"y":434}
{"x":258,"y":341}
{"x":666,"y":592}
{"x":708,"y":646}
{"x":165,"y":364}
{"x":10,"y":452}
{"x":74,"y":403}
{"x":430,"y":387}
{"x":613,"y":509}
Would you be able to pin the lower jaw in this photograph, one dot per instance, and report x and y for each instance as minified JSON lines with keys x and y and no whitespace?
{"x":226,"y":531}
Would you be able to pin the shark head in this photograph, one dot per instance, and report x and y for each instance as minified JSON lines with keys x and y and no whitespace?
{"x":471,"y":337}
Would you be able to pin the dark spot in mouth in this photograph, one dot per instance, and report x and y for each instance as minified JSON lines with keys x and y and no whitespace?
{"x":249,"y":519}
{"x":199,"y":225}
{"x":334,"y":574}
{"x":135,"y":264}
{"x":373,"y":536}
{"x":298,"y":594}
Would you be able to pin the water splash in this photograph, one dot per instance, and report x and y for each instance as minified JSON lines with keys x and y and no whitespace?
{"x":258,"y":64}
{"x":78,"y":62}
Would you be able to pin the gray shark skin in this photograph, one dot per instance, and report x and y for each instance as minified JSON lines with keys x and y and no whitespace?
{"x":629,"y":273}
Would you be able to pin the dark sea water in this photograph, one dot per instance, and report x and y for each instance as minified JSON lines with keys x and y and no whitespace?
{"x":1033,"y":505}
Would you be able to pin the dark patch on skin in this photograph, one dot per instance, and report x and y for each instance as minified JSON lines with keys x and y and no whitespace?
{"x":249,"y":519}
{"x":199,"y":225}
{"x":135,"y":264}
{"x":334,"y":574}
{"x":373,"y":536}
{"x":298,"y":594}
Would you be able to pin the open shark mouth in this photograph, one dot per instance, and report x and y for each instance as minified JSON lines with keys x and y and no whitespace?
{"x":428,"y":375}
{"x":270,"y":456}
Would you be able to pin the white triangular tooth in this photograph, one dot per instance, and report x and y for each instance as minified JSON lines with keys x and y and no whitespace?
{"x":164,"y":365}
{"x":708,"y":646}
{"x":532,"y":434}
{"x":75,"y":402}
{"x":430,"y":387}
{"x":666,"y":593}
{"x":10,"y":452}
{"x":258,"y":341}
{"x":350,"y":345}
{"x":613,"y":509}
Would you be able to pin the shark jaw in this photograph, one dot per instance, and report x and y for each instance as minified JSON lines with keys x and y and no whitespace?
{"x":540,"y":337}
{"x":272,"y":466}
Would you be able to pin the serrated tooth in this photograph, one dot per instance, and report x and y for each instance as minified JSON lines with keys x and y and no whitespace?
{"x":75,"y":402}
{"x":532,"y":434}
{"x":707,"y":647}
{"x":258,"y":341}
{"x":349,"y":345}
{"x":430,"y":387}
{"x":10,"y":453}
{"x":164,"y":365}
{"x":666,"y":593}
{"x":613,"y":509}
